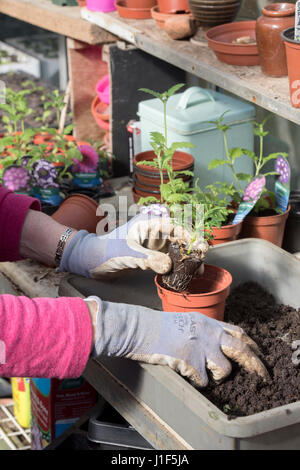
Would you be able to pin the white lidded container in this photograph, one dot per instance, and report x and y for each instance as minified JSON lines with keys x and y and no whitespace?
{"x":188,"y":116}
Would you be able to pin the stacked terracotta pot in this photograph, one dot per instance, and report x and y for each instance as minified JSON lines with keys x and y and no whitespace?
{"x":168,"y":10}
{"x":214,"y":12}
{"x":147,"y":178}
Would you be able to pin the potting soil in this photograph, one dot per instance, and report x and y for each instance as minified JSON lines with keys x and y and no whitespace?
{"x":274,"y":328}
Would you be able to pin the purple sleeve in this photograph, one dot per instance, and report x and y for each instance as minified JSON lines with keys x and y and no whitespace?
{"x":13,"y":211}
{"x":44,"y":337}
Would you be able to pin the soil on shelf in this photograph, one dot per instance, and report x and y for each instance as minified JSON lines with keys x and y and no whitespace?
{"x":273,"y":327}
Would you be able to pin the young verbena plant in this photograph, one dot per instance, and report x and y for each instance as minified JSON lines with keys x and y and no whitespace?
{"x":267,"y":200}
{"x":159,"y":143}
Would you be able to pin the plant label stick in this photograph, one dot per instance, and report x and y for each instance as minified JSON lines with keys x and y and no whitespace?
{"x":282,"y":184}
{"x":251,"y":196}
{"x":297,"y":22}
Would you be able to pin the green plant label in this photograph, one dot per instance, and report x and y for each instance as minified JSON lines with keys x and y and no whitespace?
{"x":86,"y":180}
{"x":282,"y":183}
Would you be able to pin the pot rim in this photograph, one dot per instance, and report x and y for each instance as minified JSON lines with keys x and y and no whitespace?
{"x":270,"y":10}
{"x":288,"y":40}
{"x":193,"y":296}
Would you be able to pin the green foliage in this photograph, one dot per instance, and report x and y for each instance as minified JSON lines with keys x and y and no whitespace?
{"x":259,"y":161}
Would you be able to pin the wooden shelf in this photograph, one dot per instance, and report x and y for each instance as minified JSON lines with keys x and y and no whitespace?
{"x":62,"y":20}
{"x":247,"y":82}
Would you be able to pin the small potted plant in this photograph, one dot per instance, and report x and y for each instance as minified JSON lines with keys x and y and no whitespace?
{"x":182,"y":289}
{"x":266,"y":220}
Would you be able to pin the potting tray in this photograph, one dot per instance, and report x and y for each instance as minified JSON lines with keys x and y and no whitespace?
{"x":159,"y":403}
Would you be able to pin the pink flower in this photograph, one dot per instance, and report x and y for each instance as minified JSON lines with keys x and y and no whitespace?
{"x":89,"y":162}
{"x":254,"y":189}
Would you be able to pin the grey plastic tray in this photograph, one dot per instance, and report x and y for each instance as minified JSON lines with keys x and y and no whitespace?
{"x":165,"y":408}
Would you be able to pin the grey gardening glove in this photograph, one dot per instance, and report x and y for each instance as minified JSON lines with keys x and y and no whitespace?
{"x":189,"y":343}
{"x":141,"y":243}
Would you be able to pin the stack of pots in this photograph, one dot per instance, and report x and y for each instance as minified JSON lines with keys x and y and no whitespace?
{"x":147,"y":178}
{"x":101,"y":105}
{"x":214,"y":12}
{"x":169,"y":10}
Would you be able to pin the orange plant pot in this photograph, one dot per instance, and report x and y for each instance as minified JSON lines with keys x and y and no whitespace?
{"x":100,"y":114}
{"x":79,"y":212}
{"x":270,"y":228}
{"x":206,"y":294}
{"x":226,"y":234}
{"x":292,"y":49}
{"x":173,"y":6}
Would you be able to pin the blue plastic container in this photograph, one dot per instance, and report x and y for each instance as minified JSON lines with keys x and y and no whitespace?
{"x":188,"y":116}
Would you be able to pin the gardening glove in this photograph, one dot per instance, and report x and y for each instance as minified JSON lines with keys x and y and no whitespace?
{"x":141,"y":243}
{"x":189,"y":343}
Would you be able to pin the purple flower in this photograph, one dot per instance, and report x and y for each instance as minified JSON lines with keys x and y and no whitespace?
{"x":16,"y":178}
{"x":44,"y":174}
{"x":155,"y":209}
{"x":254,"y":189}
{"x":283,"y":169}
{"x":89,"y":162}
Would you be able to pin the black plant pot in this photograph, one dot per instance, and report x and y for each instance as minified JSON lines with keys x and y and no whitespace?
{"x":291,"y":239}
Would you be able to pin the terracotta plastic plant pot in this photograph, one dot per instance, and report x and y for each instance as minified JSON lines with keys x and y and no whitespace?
{"x":270,"y":228}
{"x":220,"y":41}
{"x":97,"y":114}
{"x":275,"y":18}
{"x":147,"y":193}
{"x":180,"y":161}
{"x":81,"y":3}
{"x":161,"y":18}
{"x":134,"y":13}
{"x":206,"y":294}
{"x":225,"y":234}
{"x":101,"y":5}
{"x":148,"y":4}
{"x":293,"y":63}
{"x":173,"y":6}
{"x":79,"y":212}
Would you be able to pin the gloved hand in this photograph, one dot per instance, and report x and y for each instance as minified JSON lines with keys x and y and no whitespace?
{"x":138,"y":244}
{"x":189,"y":343}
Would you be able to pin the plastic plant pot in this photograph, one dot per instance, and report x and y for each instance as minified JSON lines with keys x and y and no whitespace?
{"x":292,"y":49}
{"x":173,"y":6}
{"x":206,"y":294}
{"x":79,"y":212}
{"x":291,"y":239}
{"x":141,"y":3}
{"x":180,"y":161}
{"x":103,"y":89}
{"x":225,"y":234}
{"x":270,"y":228}
{"x":101,"y":5}
{"x":97,"y":114}
{"x":133,"y":13}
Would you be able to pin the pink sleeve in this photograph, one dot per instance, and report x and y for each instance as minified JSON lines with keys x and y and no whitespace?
{"x":44,"y":337}
{"x":13,"y":210}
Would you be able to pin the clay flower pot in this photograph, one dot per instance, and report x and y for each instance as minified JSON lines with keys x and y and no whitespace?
{"x":270,"y":228}
{"x":147,"y":4}
{"x":161,"y":18}
{"x":292,"y":49}
{"x":206,"y":294}
{"x":135,"y":13}
{"x":99,"y":113}
{"x":173,"y":6}
{"x":275,"y":18}
{"x":227,"y":233}
{"x":79,"y":212}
